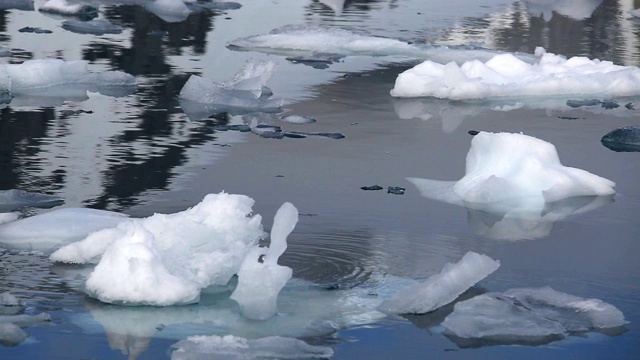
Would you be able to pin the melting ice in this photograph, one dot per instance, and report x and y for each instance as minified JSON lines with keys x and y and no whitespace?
{"x":517,"y":176}
{"x":94,"y":26}
{"x":505,"y":75}
{"x":12,"y":320}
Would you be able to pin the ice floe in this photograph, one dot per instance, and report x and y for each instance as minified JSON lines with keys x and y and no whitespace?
{"x":49,"y":231}
{"x":515,"y":174}
{"x":235,"y":347}
{"x":505,"y":75}
{"x":623,"y":139}
{"x":169,"y":10}
{"x":12,"y":320}
{"x":309,"y":41}
{"x":527,"y":316}
{"x":245,"y":93}
{"x":14,"y":199}
{"x":94,"y":26}
{"x":442,"y":288}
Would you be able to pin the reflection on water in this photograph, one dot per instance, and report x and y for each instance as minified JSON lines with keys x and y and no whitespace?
{"x":125,"y":153}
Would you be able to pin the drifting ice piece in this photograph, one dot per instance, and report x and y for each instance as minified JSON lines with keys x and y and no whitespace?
{"x":442,"y":288}
{"x":94,"y":26}
{"x":260,"y":282}
{"x":505,"y":75}
{"x":11,"y":334}
{"x":234,"y":347}
{"x":62,"y":7}
{"x":169,"y":10}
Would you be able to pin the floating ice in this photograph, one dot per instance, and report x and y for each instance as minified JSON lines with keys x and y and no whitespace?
{"x":63,"y":7}
{"x":48,"y":231}
{"x":11,"y":335}
{"x":308,"y":41}
{"x":8,"y":217}
{"x":8,"y":299}
{"x":245,"y":93}
{"x":25,"y":320}
{"x":505,"y":75}
{"x":167,"y":259}
{"x":53,"y":77}
{"x":298,"y":119}
{"x":527,"y":316}
{"x":15,"y":199}
{"x":235,"y":347}
{"x":514,"y":174}
{"x":260,"y":278}
{"x":94,"y":26}
{"x":221,"y":5}
{"x":442,"y":288}
{"x":26,"y":5}
{"x":169,"y":10}
{"x":623,"y":139}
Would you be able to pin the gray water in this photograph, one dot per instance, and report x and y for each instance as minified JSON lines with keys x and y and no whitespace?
{"x":139,"y":154}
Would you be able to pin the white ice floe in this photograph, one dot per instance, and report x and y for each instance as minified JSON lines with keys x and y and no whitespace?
{"x":49,"y":231}
{"x":11,"y":334}
{"x":235,"y":347}
{"x":304,"y":41}
{"x":514,"y":174}
{"x":8,"y":217}
{"x":505,"y":75}
{"x":442,"y":288}
{"x":94,"y":26}
{"x":41,"y":76}
{"x":167,"y":259}
{"x":527,"y":316}
{"x":8,"y":299}
{"x":169,"y":10}
{"x":63,"y":7}
{"x":260,"y":278}
{"x":245,"y":93}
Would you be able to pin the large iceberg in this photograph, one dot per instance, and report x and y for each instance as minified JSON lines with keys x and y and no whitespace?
{"x":528,"y":316}
{"x":514,"y":174}
{"x":245,"y":93}
{"x":505,"y":75}
{"x":168,"y":10}
{"x":235,"y":347}
{"x":442,"y":288}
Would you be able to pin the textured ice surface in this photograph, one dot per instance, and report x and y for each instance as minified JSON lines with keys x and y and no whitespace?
{"x":235,"y":347}
{"x":515,"y":174}
{"x":14,"y":199}
{"x":11,"y":334}
{"x":167,"y":259}
{"x":623,"y":139}
{"x":8,"y":299}
{"x":168,"y":10}
{"x":260,"y":278}
{"x":25,"y":320}
{"x":505,"y":75}
{"x":442,"y":288}
{"x":64,"y":7}
{"x":8,"y":217}
{"x":94,"y":26}
{"x":51,"y":230}
{"x":245,"y":93}
{"x":26,"y":5}
{"x":527,"y":316}
{"x":307,"y":40}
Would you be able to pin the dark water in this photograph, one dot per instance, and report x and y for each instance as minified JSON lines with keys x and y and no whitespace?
{"x":139,"y":154}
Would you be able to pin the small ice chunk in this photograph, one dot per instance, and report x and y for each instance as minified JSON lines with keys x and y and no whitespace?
{"x":260,"y":282}
{"x":94,"y":26}
{"x":15,"y":199}
{"x":235,"y":347}
{"x":63,"y":7}
{"x":50,"y":230}
{"x":11,"y":334}
{"x":494,"y":319}
{"x":442,"y":288}
{"x":8,"y":299}
{"x":298,"y":119}
{"x":169,"y":10}
{"x":576,"y":314}
{"x":221,"y":5}
{"x":8,"y":217}
{"x":25,"y":320}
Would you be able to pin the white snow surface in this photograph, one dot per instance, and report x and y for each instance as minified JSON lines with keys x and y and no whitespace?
{"x":8,"y":217}
{"x":61,"y":7}
{"x":167,"y":259}
{"x":45,"y":73}
{"x":260,"y":282}
{"x":441,"y":289}
{"x":505,"y":75}
{"x":235,"y":347}
{"x":516,"y":174}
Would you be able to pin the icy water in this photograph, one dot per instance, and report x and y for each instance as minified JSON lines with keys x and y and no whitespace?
{"x":140,"y":154}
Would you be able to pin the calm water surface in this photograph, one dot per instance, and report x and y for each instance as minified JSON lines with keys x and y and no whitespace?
{"x":139,"y":154}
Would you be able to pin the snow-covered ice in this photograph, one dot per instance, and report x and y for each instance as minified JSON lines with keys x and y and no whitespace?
{"x":442,"y":288}
{"x":8,"y":217}
{"x":308,"y":40}
{"x":169,"y":10}
{"x":260,"y":281}
{"x":235,"y":347}
{"x":94,"y":26}
{"x":514,"y":174}
{"x":48,"y":231}
{"x":246,"y":92}
{"x":527,"y":316}
{"x":66,"y":8}
{"x":505,"y":75}
{"x":15,"y":199}
{"x":11,"y":334}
